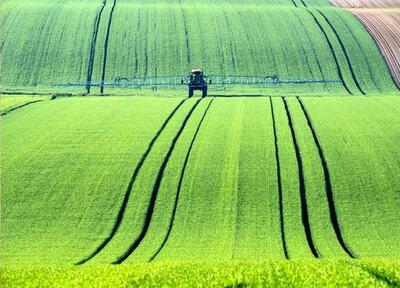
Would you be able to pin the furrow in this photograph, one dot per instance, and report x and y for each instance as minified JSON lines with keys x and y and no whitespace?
{"x":93,"y":46}
{"x":303,"y":198}
{"x":182,"y":175}
{"x":353,"y":75}
{"x":328,"y":184}
{"x":103,"y":73}
{"x":156,"y":187}
{"x":278,"y":172}
{"x":333,"y":53}
{"x":129,"y":188}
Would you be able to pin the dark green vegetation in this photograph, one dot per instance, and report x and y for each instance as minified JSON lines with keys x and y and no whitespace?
{"x":95,"y":40}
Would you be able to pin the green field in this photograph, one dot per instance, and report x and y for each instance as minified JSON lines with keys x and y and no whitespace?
{"x":286,"y":185}
{"x":207,"y":184}
{"x":169,"y":38}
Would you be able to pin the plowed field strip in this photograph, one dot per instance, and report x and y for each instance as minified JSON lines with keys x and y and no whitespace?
{"x":178,"y":190}
{"x":103,"y":73}
{"x":302,"y":189}
{"x":278,"y":171}
{"x":93,"y":45}
{"x":328,"y":184}
{"x":129,"y":187}
{"x":385,"y":29}
{"x":156,"y":187}
{"x":366,"y":3}
{"x":353,"y":75}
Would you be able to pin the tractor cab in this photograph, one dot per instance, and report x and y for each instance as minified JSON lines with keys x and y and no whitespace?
{"x":196,"y":81}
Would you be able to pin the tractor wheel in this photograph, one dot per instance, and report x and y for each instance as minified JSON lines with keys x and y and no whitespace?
{"x":204,"y":94}
{"x":190,"y":92}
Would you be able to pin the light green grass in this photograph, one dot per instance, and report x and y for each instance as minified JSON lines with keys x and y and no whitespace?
{"x":298,"y":273}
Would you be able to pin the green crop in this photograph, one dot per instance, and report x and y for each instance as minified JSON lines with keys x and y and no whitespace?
{"x":296,"y":187}
{"x":210,"y":176}
{"x":79,"y":41}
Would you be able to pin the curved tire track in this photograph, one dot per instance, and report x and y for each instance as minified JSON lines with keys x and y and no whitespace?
{"x":128,"y":191}
{"x":156,"y":188}
{"x":328,"y":184}
{"x":342,"y":46}
{"x":302,"y":188}
{"x":278,"y":171}
{"x":332,"y":50}
{"x":178,"y":191}
{"x":105,"y":54}
{"x":93,"y":46}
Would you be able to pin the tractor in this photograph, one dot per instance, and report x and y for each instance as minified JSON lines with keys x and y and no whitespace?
{"x":197,"y":81}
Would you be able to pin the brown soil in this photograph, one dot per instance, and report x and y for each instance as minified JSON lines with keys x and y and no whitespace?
{"x":366,"y":3}
{"x":384,"y":26}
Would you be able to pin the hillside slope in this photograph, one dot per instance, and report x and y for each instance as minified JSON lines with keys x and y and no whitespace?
{"x":127,"y":180}
{"x":79,"y":41}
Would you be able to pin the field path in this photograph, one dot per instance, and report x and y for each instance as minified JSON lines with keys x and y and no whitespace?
{"x":156,"y":187}
{"x":328,"y":184}
{"x":93,"y":45}
{"x":302,"y":189}
{"x":105,"y":53}
{"x":279,"y":176}
{"x":128,"y":191}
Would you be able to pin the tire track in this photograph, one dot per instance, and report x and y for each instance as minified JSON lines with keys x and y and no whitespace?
{"x":186,"y":30}
{"x":328,"y":183}
{"x":156,"y":188}
{"x":93,"y":46}
{"x":19,"y":106}
{"x":302,"y":188}
{"x":128,"y":191}
{"x":105,"y":54}
{"x":342,"y":46}
{"x":332,"y":50}
{"x":278,"y":170}
{"x":178,"y":192}
{"x":356,"y":40}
